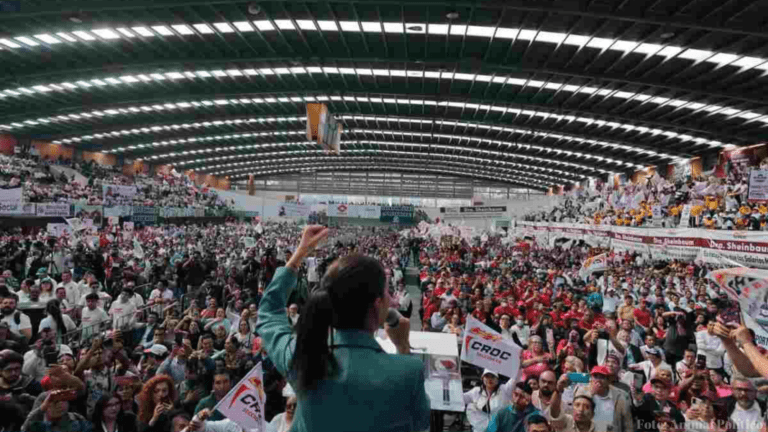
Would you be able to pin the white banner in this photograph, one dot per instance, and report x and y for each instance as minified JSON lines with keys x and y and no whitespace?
{"x":485,"y":348}
{"x":59,"y":229}
{"x":10,"y":201}
{"x":365,"y":211}
{"x":51,"y":210}
{"x":113,"y":195}
{"x":338,"y":210}
{"x":244,"y":404}
{"x":758,"y":186}
{"x":293,"y":210}
{"x":16,"y":208}
{"x":78,"y":224}
{"x":684,"y":216}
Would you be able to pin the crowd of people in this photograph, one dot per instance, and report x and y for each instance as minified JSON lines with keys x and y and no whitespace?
{"x":41,"y":184}
{"x":716,"y":201}
{"x":146,"y":331}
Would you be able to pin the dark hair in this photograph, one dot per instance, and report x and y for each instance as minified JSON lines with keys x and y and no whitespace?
{"x":351,"y":284}
{"x":101,"y":405}
{"x":92,"y":296}
{"x":178,"y":412}
{"x":586,"y":398}
{"x":536,"y":418}
{"x":524,"y":386}
{"x":53,"y":308}
{"x":8,"y":356}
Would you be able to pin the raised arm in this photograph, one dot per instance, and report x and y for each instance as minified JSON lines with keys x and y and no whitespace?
{"x":273,"y":325}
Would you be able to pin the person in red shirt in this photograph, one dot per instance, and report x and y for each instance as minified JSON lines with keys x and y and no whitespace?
{"x":642,"y":315}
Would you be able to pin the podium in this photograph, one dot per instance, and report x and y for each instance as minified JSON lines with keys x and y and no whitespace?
{"x":442,"y":370}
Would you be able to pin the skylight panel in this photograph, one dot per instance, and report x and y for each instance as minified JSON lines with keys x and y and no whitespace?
{"x":506,"y":33}
{"x":550,"y":37}
{"x":162,"y":30}
{"x":84,"y":35}
{"x":125,"y":32}
{"x":349,"y":26}
{"x":284,"y":24}
{"x":182,"y":29}
{"x":723,"y":59}
{"x":106,"y":33}
{"x":600,"y":43}
{"x":243,"y":26}
{"x":143,"y":31}
{"x":394,"y":27}
{"x":48,"y":39}
{"x":223,"y":27}
{"x":480,"y":31}
{"x":747,"y":62}
{"x":696,"y":55}
{"x":9,"y":43}
{"x":66,"y":37}
{"x":203,"y":28}
{"x":27,"y":41}
{"x":527,"y":35}
{"x":439,"y":29}
{"x":625,"y":46}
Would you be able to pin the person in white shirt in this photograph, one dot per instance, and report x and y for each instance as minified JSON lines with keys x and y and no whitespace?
{"x":122,"y":310}
{"x":283,"y":421}
{"x":746,"y":413}
{"x":686,"y":364}
{"x":522,"y":330}
{"x":72,"y":288}
{"x":102,"y":298}
{"x":650,"y":366}
{"x":92,"y":316}
{"x":447,"y":298}
{"x":136,"y":298}
{"x":610,"y":301}
{"x":293,"y":313}
{"x":17,"y":321}
{"x":711,"y":346}
{"x":35,"y":364}
{"x":59,"y":323}
{"x":485,"y":401}
{"x":404,"y":302}
{"x":161,"y":295}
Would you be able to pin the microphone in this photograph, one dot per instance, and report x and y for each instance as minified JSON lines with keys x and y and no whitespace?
{"x":393,"y":317}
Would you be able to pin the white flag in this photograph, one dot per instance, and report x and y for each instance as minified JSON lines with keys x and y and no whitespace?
{"x":485,"y":348}
{"x":244,"y":404}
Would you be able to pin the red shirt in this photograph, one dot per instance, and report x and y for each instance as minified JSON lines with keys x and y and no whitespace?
{"x":440,"y":290}
{"x":643,"y":317}
{"x":479,"y":315}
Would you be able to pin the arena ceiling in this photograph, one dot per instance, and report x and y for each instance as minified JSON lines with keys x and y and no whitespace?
{"x":527,"y":93}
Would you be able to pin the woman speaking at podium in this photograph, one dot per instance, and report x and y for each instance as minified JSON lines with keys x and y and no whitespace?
{"x":344,"y":381}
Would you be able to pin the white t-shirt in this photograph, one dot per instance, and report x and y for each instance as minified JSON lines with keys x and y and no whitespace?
{"x":68,"y":323}
{"x":603,"y":412}
{"x":73,"y":291}
{"x":748,"y":420}
{"x":103,"y":298}
{"x":122,"y":313}
{"x":89,"y":318}
{"x":23,"y":324}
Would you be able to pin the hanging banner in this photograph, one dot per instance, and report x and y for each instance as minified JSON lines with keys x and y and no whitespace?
{"x":397,"y":214}
{"x":117,"y":195}
{"x":293,"y":210}
{"x":338,"y":210}
{"x":474,"y":211}
{"x":59,"y":229}
{"x":121,"y":210}
{"x":749,"y":287}
{"x":16,"y":209}
{"x":10,"y":201}
{"x":144,"y":215}
{"x":758,"y":186}
{"x":94,"y":213}
{"x":244,"y":404}
{"x":485,"y":348}
{"x":365,"y":211}
{"x":52,"y":210}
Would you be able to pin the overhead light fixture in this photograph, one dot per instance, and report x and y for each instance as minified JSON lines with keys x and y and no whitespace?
{"x":666,"y":35}
{"x":254,"y":9}
{"x":452,"y":15}
{"x":77,"y":19}
{"x":417,"y":28}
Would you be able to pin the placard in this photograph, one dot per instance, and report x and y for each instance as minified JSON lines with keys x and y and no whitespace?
{"x":114,"y":195}
{"x":758,"y":186}
{"x":53,"y":210}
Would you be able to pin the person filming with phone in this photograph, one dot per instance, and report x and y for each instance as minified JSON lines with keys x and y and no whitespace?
{"x":344,"y":380}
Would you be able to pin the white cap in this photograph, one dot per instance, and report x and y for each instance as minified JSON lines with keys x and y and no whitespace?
{"x":488,"y":371}
{"x":65,"y":350}
{"x":157,"y":349}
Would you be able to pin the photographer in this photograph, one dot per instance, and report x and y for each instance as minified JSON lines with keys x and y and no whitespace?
{"x":44,"y":352}
{"x":351,"y":303}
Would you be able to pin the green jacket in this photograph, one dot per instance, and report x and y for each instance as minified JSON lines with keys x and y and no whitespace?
{"x":372,"y":391}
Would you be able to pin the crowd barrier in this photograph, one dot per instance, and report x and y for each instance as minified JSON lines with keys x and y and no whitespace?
{"x":718,"y":247}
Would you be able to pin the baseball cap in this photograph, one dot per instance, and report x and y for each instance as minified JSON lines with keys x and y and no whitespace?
{"x":600,"y":370}
{"x":42,"y":270}
{"x":65,"y":350}
{"x":488,"y":371}
{"x":46,"y":325}
{"x":157,"y":349}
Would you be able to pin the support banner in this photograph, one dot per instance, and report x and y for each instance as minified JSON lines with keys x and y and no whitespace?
{"x":115,"y":195}
{"x":244,"y":404}
{"x":53,"y":210}
{"x":485,"y":348}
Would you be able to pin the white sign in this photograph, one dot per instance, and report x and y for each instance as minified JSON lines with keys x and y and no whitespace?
{"x":51,"y":210}
{"x":113,"y":195}
{"x":244,"y":404}
{"x":758,"y":186}
{"x":485,"y":348}
{"x":684,"y":216}
{"x":59,"y":229}
{"x":10,"y":201}
{"x":113,"y":220}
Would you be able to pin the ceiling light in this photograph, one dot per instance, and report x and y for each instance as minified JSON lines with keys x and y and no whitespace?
{"x":666,"y":35}
{"x":254,"y":9}
{"x":416,"y":28}
{"x":452,"y":15}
